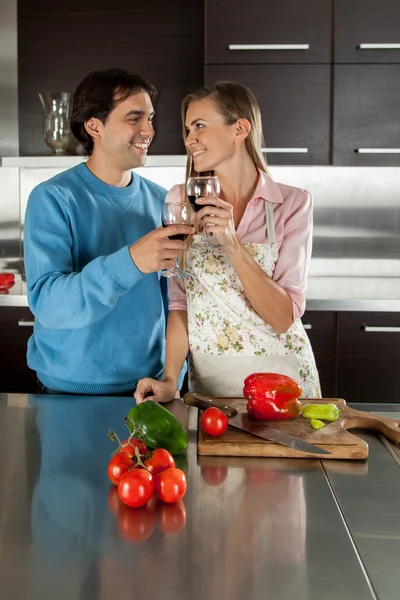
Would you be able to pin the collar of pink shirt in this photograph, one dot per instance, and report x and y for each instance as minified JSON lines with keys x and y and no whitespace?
{"x":267,"y":190}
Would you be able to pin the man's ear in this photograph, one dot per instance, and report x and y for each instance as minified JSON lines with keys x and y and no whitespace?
{"x":94,"y":127}
{"x":243,"y":128}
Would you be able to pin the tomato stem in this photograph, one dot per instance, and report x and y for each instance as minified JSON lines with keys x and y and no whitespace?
{"x":139,"y":462}
{"x":112,"y":436}
{"x":136,"y":432}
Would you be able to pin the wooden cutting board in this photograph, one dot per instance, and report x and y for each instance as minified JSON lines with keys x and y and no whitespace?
{"x":334,"y":437}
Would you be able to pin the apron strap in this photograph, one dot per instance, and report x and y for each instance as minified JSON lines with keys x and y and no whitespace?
{"x":269,"y":218}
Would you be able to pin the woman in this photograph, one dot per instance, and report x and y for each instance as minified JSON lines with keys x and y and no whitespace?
{"x":241,"y":310}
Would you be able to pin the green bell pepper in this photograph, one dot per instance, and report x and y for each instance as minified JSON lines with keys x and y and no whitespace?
{"x":158,"y":427}
{"x":324,"y":412}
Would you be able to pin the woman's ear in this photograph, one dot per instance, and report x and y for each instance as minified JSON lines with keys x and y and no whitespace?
{"x":243,"y":128}
{"x":94,"y":127}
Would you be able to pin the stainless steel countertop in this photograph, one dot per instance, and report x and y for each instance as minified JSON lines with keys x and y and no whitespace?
{"x":380,"y":294}
{"x":272,"y":528}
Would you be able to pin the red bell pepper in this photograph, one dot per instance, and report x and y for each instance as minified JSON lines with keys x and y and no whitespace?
{"x":7,"y":280}
{"x":6,"y":277}
{"x":272,"y":396}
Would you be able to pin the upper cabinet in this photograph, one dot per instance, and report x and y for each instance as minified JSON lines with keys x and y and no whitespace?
{"x":295,"y":108}
{"x":260,"y":32}
{"x":367,"y":31}
{"x":366,"y":114}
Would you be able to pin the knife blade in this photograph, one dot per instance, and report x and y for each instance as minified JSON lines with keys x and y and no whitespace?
{"x":260,"y":429}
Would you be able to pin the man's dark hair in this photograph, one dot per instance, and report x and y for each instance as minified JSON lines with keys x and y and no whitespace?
{"x":98,"y":94}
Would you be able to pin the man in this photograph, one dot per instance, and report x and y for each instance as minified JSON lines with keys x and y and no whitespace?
{"x":94,"y":248}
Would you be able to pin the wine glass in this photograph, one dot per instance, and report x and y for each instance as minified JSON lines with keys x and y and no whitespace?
{"x":202,"y":186}
{"x":176,"y":214}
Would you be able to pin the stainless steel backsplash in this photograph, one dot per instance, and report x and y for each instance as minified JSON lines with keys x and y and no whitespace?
{"x":10,"y":228}
{"x":356,"y":214}
{"x":356,"y":218}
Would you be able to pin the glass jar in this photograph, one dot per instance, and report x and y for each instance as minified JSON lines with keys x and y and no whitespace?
{"x":56,"y":117}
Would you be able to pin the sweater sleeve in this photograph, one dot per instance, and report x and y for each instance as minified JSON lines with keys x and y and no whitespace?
{"x":59,"y":297}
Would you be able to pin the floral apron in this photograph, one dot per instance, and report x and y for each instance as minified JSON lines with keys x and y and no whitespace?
{"x":228,"y":340}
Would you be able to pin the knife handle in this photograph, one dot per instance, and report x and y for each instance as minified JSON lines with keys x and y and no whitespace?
{"x":203,"y":402}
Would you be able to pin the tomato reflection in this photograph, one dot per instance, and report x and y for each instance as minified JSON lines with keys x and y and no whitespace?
{"x":170,"y":518}
{"x":136,"y":525}
{"x":214,"y":475}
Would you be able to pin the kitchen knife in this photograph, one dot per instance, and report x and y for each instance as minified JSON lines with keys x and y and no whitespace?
{"x":260,"y":429}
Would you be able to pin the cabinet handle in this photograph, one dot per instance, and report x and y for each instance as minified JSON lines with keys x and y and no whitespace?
{"x":269,"y":46}
{"x":378,"y":329}
{"x":378,"y":47}
{"x":307,"y":325}
{"x":286,"y":150}
{"x":25,"y":323}
{"x":378,"y":150}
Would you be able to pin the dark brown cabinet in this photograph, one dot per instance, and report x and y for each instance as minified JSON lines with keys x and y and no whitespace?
{"x":61,"y":42}
{"x":295,"y":106}
{"x":366,"y":115}
{"x":360,"y":24}
{"x":325,"y":100}
{"x":320,"y":327}
{"x":369,"y":357}
{"x":239,"y":32}
{"x":16,"y":328}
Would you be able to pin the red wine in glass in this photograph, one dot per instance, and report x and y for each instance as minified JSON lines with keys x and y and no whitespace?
{"x":202,"y":186}
{"x":176,"y":214}
{"x":177,"y":236}
{"x":192,"y":200}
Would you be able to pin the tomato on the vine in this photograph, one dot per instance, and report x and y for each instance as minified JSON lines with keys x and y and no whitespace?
{"x":130,"y":445}
{"x":170,"y":485}
{"x":119,"y":464}
{"x":136,"y":487}
{"x":159,"y":461}
{"x":214,"y":422}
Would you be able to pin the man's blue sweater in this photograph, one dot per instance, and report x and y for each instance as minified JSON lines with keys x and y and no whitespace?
{"x":99,"y":321}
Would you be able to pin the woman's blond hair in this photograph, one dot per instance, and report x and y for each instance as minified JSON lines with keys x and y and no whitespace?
{"x":234,"y":101}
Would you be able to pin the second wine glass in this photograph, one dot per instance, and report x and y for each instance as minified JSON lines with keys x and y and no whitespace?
{"x":201,"y":187}
{"x":176,"y":214}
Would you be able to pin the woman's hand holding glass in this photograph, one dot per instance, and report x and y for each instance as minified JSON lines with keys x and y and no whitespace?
{"x":216,"y":219}
{"x":200,"y":187}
